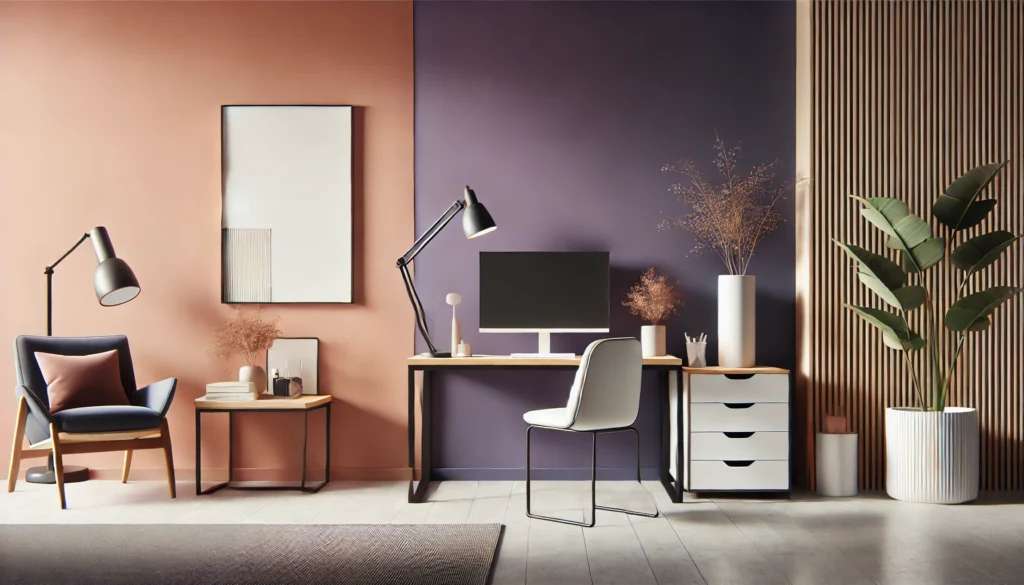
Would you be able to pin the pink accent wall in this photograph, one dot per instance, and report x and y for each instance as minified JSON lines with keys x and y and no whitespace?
{"x":110,"y":115}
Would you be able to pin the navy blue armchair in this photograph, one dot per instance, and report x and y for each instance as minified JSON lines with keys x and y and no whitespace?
{"x":143,"y":425}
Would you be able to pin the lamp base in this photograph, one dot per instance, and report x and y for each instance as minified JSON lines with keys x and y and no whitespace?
{"x":440,"y":354}
{"x":42,"y":474}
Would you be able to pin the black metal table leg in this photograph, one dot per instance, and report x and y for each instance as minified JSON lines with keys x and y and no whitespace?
{"x":418,"y":491}
{"x":305,"y":445}
{"x":672,"y":484}
{"x":231,"y":446}
{"x":199,"y":458}
{"x":327,"y":457}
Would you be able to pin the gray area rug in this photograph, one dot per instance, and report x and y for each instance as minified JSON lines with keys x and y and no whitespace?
{"x":167,"y":554}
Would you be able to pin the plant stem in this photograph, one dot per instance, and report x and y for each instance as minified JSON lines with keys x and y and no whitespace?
{"x":917,"y":383}
{"x":952,"y":365}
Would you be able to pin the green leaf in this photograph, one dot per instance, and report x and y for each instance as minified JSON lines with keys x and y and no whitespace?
{"x":980,"y":251}
{"x":907,"y":232}
{"x":971,"y":312}
{"x":895,"y":331}
{"x":885,"y":278}
{"x":959,"y":207}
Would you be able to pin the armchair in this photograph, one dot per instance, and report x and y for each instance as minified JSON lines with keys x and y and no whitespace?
{"x":92,"y":429}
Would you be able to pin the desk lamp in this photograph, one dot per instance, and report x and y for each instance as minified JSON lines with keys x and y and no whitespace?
{"x":115,"y":284}
{"x":476,"y":221}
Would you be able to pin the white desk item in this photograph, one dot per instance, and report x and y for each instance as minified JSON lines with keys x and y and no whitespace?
{"x":464,"y":350}
{"x":454,"y":299}
{"x":231,"y":388}
{"x":604,"y":398}
{"x":737,"y":429}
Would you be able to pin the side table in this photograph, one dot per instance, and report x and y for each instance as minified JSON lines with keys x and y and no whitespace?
{"x":304,"y":404}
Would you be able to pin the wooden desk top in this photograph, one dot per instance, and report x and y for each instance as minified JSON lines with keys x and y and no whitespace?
{"x":508,"y":361}
{"x":721,"y":370}
{"x":304,"y":402}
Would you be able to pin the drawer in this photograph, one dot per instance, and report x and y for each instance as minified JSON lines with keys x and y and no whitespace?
{"x":739,"y":475}
{"x":739,"y":446}
{"x":746,"y":416}
{"x":756,"y":388}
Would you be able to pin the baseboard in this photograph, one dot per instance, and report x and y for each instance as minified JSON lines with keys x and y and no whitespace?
{"x":252,"y":474}
{"x":543,"y":474}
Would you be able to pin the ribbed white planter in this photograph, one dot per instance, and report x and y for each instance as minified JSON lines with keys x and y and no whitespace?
{"x":932,"y":457}
{"x":736,"y":301}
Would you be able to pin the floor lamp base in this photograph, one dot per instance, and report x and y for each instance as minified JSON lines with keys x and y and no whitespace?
{"x":43,"y":474}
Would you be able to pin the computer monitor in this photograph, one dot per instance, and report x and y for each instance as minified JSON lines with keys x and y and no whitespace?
{"x":544,"y":292}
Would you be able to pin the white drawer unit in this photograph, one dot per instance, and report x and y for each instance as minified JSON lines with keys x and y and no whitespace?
{"x":737,"y":436}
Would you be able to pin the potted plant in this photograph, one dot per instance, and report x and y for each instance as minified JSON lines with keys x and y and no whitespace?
{"x":730,"y":218}
{"x":251,"y":337}
{"x":932,"y":451}
{"x":654,"y":299}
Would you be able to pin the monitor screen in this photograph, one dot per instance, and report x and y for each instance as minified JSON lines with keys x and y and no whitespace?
{"x":544,"y":290}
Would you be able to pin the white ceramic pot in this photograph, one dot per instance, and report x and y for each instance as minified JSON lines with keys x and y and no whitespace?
{"x":835,"y":457}
{"x":254,"y":374}
{"x":932,"y":457}
{"x":736,"y":300}
{"x":652,"y":340}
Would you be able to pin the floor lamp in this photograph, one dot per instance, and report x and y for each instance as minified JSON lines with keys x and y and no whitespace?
{"x":115,"y":284}
{"x":476,"y":221}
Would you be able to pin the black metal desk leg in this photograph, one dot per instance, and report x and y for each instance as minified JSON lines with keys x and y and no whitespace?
{"x":418,"y":491}
{"x":327,"y":459}
{"x":305,"y":444}
{"x":412,"y":436}
{"x":231,"y":446}
{"x":199,"y":454}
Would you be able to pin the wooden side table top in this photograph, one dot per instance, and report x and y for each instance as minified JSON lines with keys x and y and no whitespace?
{"x":721,"y":370}
{"x":304,"y":402}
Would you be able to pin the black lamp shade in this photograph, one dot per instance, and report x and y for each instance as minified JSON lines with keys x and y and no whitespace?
{"x":114,"y":281}
{"x":476,"y":221}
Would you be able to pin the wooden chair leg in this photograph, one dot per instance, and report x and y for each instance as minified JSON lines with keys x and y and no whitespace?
{"x":58,"y":464}
{"x":19,"y":432}
{"x":165,"y":435}
{"x":127,"y":466}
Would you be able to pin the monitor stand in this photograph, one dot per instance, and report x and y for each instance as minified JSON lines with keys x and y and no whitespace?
{"x":544,"y":348}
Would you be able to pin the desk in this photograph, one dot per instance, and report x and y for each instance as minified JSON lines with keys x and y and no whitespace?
{"x":304,"y":404}
{"x":670,"y":368}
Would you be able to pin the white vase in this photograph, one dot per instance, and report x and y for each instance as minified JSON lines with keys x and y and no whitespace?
{"x":736,"y":301}
{"x":652,"y":340}
{"x":456,"y":335}
{"x":254,"y":374}
{"x":835,"y":456}
{"x":932,"y":457}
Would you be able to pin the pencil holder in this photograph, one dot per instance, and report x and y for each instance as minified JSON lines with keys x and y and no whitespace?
{"x":695,"y":354}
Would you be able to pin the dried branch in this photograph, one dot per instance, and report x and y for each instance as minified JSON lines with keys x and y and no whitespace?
{"x":730,"y":218}
{"x":248,"y":336}
{"x":654,"y":299}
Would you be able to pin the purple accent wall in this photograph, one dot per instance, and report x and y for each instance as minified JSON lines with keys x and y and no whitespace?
{"x":560,"y":116}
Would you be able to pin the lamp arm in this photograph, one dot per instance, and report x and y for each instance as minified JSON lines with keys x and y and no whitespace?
{"x":421,"y":320}
{"x":432,"y":232}
{"x":49,"y":269}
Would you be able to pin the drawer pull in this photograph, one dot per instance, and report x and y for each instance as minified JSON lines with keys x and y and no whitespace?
{"x":739,"y":376}
{"x":739,"y":435}
{"x":739,"y":463}
{"x":739,"y":404}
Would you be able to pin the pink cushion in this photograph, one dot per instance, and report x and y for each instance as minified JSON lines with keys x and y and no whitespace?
{"x":77,"y":381}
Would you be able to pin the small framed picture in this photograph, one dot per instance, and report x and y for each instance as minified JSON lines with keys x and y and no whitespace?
{"x":295,"y":357}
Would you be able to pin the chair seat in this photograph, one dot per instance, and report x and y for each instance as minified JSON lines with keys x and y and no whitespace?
{"x":102,"y":419}
{"x":554,"y":418}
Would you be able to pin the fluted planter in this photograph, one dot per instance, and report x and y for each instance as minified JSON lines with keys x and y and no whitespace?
{"x":932,"y":457}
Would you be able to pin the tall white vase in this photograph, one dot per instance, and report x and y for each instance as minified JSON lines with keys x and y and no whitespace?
{"x":932,"y":457}
{"x":652,"y":340}
{"x":736,"y":300}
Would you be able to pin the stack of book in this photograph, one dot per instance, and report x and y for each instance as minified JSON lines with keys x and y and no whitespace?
{"x":231,"y":391}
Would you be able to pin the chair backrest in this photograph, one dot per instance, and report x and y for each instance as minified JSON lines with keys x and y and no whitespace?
{"x":27,"y":369}
{"x":606,"y":393}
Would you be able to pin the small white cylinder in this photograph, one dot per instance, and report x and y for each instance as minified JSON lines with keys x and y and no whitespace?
{"x":456,"y":334}
{"x":652,"y":340}
{"x":836,"y":464}
{"x":736,"y":304}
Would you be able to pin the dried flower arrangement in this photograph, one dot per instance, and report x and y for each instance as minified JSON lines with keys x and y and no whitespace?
{"x":654,"y":299}
{"x":730,"y":218}
{"x":248,"y":336}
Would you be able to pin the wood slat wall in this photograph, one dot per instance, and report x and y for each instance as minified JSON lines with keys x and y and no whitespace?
{"x":901,"y":98}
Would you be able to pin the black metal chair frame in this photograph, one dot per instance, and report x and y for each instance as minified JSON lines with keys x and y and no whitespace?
{"x":593,"y":477}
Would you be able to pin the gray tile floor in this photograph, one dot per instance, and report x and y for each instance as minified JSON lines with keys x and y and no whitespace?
{"x":857,"y":541}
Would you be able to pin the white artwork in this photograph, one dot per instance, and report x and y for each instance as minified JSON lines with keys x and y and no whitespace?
{"x":287,"y":204}
{"x":295,"y":357}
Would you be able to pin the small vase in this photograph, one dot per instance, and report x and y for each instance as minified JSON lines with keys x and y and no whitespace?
{"x":652,"y":340}
{"x":254,"y":374}
{"x":836,"y":464}
{"x":736,"y":300}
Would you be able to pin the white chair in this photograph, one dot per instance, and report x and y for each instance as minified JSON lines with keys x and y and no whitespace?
{"x":604,"y":398}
